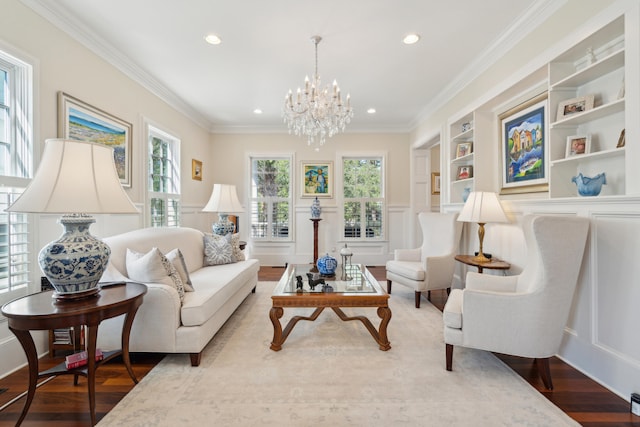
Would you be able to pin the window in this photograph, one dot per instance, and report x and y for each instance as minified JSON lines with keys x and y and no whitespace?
{"x":16,"y":168}
{"x":271,"y":198}
{"x":363,"y":197}
{"x":164,"y":179}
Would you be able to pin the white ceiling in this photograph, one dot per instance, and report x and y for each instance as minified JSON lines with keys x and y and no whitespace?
{"x":266,"y":50}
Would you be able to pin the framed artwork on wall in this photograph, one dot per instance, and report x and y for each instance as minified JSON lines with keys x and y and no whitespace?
{"x":523,"y":147}
{"x":435,"y":183}
{"x":317,"y":179}
{"x":196,"y":169}
{"x":81,"y":121}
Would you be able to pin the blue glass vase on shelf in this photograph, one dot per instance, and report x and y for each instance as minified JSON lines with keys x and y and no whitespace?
{"x":589,"y":186}
{"x":327,"y":266}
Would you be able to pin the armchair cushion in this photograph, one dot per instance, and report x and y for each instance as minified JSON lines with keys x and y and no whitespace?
{"x":410,"y":270}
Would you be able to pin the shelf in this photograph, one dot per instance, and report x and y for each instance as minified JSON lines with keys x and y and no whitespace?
{"x":604,"y":66}
{"x":462,"y":181}
{"x":464,"y":136}
{"x":614,"y":107}
{"x":462,"y":159}
{"x":616,"y":152}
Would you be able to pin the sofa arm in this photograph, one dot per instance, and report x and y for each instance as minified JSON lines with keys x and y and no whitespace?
{"x":407,"y":254}
{"x":154,"y":327}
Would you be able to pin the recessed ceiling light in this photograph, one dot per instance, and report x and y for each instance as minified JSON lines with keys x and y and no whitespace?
{"x":371,"y":111}
{"x":257,"y":111}
{"x":411,"y":38}
{"x":213,"y":39}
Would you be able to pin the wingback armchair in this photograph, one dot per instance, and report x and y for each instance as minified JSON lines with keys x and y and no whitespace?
{"x":430,"y":266}
{"x":522,"y":315}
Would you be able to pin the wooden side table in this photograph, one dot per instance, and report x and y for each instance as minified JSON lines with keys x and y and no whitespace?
{"x":42,"y":312}
{"x":493,"y":264}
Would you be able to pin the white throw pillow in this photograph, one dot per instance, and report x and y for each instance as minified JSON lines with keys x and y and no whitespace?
{"x":177,"y":259}
{"x":153,"y":267}
{"x":218,"y":250}
{"x":235,"y":247}
{"x":111,"y":274}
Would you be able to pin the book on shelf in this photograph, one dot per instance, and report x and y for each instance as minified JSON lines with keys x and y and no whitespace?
{"x":79,"y":359}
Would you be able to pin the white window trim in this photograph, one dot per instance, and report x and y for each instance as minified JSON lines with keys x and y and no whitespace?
{"x":292,"y":195}
{"x":339,"y":181}
{"x":153,"y":129}
{"x":28,"y":95}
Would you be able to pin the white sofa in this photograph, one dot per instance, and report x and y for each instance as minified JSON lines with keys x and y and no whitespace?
{"x":164,"y":325}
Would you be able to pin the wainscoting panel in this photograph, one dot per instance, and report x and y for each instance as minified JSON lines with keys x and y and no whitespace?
{"x":616,"y":290}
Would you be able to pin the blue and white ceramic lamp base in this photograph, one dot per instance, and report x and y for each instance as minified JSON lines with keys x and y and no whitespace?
{"x":75,"y":262}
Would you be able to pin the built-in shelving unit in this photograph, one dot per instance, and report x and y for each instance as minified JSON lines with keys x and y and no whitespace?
{"x":594,"y":67}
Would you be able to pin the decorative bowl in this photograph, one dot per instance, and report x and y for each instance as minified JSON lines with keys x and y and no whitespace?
{"x":589,"y":186}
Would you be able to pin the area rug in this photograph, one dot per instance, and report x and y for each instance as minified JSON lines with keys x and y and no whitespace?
{"x":331,"y":373}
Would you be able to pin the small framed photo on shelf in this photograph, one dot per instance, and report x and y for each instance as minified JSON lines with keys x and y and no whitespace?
{"x":463,"y":149}
{"x":621,"y":139}
{"x":464,"y":172}
{"x":574,"y":106}
{"x":578,"y":144}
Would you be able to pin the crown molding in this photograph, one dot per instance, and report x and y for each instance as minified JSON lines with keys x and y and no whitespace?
{"x":81,"y":33}
{"x":532,"y":18}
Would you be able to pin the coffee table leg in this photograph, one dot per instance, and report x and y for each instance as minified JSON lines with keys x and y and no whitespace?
{"x":379,"y":335}
{"x":279,"y":337}
{"x":385,"y":314}
{"x":32,"y":358}
{"x":275,"y":314}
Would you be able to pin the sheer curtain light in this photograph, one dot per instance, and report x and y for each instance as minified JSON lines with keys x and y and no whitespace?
{"x":75,"y":178}
{"x":482,"y":207}
{"x":223,"y":200}
{"x":315,"y":112}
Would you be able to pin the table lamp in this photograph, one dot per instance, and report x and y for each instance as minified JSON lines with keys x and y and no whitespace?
{"x":75,"y":178}
{"x":482,"y":207}
{"x":224,"y":200}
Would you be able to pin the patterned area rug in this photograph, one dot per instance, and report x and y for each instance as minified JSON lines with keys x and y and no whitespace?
{"x":331,"y":373}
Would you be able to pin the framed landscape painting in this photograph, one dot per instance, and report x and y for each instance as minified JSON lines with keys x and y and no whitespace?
{"x":80,"y":121}
{"x":317,"y":179}
{"x":523,"y":147}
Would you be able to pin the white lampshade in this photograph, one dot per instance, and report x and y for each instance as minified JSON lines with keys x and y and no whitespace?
{"x":75,"y":177}
{"x":223,"y":199}
{"x":482,"y":207}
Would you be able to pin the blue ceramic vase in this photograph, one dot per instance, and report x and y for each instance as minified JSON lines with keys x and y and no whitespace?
{"x":327,"y":265}
{"x":316,"y":210}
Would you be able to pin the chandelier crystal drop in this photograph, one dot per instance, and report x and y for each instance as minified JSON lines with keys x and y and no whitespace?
{"x":316,"y":112}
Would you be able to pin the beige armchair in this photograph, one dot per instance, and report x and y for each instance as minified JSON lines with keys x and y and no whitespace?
{"x":430,"y":266}
{"x":522,"y":315}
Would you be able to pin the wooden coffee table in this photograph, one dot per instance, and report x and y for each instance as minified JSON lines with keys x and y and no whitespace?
{"x":354,"y":288}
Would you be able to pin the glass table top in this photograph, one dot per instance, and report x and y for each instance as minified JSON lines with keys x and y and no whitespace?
{"x":353,"y":279}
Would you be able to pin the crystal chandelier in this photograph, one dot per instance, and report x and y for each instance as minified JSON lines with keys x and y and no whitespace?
{"x":315,"y":112}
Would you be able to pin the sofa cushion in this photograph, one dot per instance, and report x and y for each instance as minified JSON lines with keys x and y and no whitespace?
{"x":217,"y":249}
{"x":153,"y":267}
{"x":214,"y":286}
{"x":177,"y":259}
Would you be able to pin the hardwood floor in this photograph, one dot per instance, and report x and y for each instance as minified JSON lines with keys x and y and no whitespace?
{"x":60,"y":403}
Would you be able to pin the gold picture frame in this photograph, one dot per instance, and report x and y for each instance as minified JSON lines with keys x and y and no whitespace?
{"x":83,"y":122}
{"x":435,"y":183}
{"x":317,"y":179}
{"x":196,"y":170}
